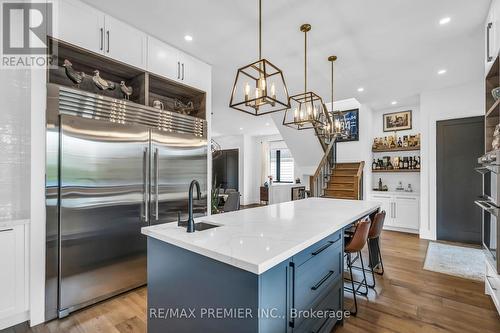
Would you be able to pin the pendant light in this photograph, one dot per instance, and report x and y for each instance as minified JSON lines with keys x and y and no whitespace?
{"x":259,"y":88}
{"x":306,"y":110}
{"x":337,"y":126}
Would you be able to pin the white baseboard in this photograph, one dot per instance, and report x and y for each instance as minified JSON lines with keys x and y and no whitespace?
{"x":14,"y":320}
{"x":406,"y":230}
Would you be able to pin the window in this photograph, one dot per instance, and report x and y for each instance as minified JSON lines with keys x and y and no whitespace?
{"x":281,"y":165}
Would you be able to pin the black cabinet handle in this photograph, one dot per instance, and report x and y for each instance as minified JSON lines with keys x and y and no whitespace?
{"x":326,"y":277}
{"x":183,"y":71}
{"x":107,"y":35}
{"x":102,"y":39}
{"x":488,"y":29}
{"x":323,"y":248}
{"x":178,"y":70}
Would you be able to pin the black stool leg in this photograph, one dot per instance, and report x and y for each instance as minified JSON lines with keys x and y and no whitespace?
{"x":349,"y":265}
{"x":364,"y":276}
{"x":371,"y":266}
{"x":380,"y":257}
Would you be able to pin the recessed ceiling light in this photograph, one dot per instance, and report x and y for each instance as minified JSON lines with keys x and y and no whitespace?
{"x":361,"y":89}
{"x":394,"y":102}
{"x":442,"y":71}
{"x":267,"y":124}
{"x":241,"y":128}
{"x":188,"y":38}
{"x":444,"y":20}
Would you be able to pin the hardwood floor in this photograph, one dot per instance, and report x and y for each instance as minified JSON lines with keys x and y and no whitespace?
{"x":407,"y":299}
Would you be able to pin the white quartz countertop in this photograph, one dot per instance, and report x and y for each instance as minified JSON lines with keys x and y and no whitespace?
{"x":259,"y":238}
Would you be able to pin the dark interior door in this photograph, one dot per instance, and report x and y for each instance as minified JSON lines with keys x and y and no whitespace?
{"x":459,"y":143}
{"x":225,"y":169}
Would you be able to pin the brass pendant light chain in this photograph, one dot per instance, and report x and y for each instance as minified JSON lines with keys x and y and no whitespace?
{"x":305,"y":61}
{"x":260,"y":29}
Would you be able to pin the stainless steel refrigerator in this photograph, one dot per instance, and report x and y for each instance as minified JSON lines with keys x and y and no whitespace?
{"x":108,"y":175}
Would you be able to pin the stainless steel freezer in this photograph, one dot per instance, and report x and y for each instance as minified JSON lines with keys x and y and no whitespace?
{"x":112,"y":167}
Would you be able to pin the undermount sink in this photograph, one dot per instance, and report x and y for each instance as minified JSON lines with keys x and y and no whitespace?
{"x":200,"y":226}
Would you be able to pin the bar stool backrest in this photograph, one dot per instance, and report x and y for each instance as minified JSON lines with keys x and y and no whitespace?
{"x":359,"y":238}
{"x":377,"y":225}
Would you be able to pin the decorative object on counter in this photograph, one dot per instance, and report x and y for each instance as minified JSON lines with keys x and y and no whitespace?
{"x":409,"y":188}
{"x":306,"y":110}
{"x":380,"y":184}
{"x":76,"y":77}
{"x":495,"y":144}
{"x":158,"y":105}
{"x":496,"y":93}
{"x":259,"y":88}
{"x":183,"y":108}
{"x":215,"y":198}
{"x":397,"y":121}
{"x":400,"y":187}
{"x":297,"y":180}
{"x":127,"y":91}
{"x":266,"y":184}
{"x":270,"y":177}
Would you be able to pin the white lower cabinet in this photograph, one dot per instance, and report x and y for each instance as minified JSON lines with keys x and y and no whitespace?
{"x":13,"y":276}
{"x":492,"y":284}
{"x":402,"y":211}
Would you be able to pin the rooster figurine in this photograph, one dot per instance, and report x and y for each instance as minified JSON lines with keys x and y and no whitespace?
{"x":101,"y":83}
{"x":127,"y":91}
{"x":74,"y":76}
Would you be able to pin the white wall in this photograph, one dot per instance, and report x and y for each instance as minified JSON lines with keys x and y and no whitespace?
{"x":461,"y":101}
{"x":392,"y":179}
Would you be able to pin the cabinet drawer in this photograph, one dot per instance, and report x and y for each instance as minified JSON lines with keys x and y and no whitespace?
{"x":316,"y":249}
{"x":331,"y":303}
{"x":316,"y":276}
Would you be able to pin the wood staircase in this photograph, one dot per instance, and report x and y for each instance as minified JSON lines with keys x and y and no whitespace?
{"x":346,"y":181}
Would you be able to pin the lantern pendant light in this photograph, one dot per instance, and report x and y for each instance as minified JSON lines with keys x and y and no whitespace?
{"x":259,"y":88}
{"x":306,"y":110}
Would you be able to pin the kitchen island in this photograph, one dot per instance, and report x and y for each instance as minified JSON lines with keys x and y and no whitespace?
{"x":265,"y":269}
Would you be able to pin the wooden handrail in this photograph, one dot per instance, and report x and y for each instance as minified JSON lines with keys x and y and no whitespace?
{"x":324,"y":159}
{"x":360,"y":169}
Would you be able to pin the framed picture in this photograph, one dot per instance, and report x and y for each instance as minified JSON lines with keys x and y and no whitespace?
{"x":397,"y":121}
{"x":352,"y":120}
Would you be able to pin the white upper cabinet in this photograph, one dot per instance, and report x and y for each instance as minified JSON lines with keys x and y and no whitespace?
{"x":124,"y":43}
{"x":163,"y":59}
{"x":195,"y":73}
{"x":79,"y":24}
{"x":176,"y":65}
{"x":492,"y":34}
{"x":88,"y":28}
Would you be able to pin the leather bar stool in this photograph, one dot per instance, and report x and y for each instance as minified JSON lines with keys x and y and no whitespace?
{"x":374,"y":245}
{"x":354,"y":246}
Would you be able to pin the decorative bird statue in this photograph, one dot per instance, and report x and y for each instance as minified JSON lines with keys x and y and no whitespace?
{"x":76,"y":77}
{"x":100,"y":82}
{"x":127,"y":91}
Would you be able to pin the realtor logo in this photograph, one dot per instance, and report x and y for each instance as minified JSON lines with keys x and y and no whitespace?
{"x":25,"y":27}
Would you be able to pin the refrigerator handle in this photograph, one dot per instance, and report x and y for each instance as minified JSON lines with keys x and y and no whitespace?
{"x":157,"y":176}
{"x":145,"y":167}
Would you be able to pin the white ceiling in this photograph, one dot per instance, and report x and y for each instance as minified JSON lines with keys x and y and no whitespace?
{"x":391,"y":48}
